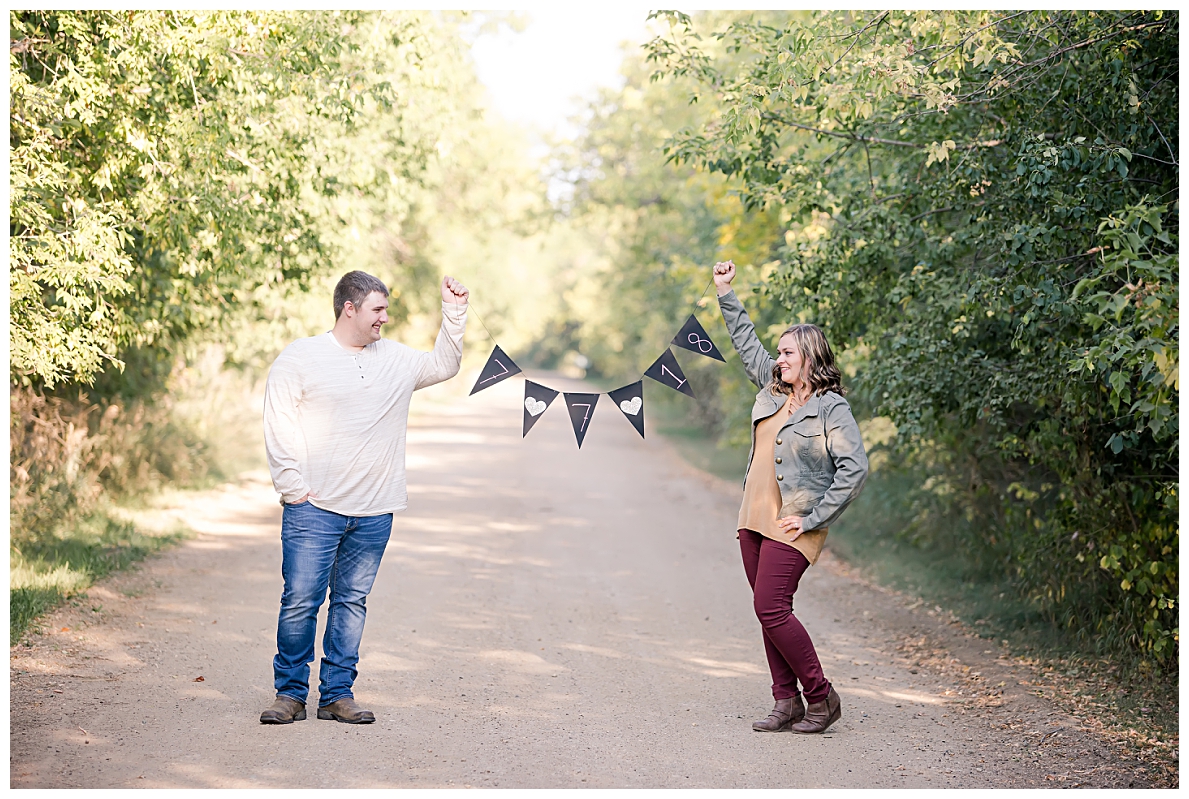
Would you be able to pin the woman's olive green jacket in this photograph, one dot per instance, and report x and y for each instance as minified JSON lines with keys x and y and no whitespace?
{"x":820,"y":462}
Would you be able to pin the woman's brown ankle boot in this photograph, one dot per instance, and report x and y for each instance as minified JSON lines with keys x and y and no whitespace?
{"x":820,"y":715}
{"x":787,"y":711}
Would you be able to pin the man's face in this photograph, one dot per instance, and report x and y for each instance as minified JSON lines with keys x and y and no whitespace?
{"x":366,"y":320}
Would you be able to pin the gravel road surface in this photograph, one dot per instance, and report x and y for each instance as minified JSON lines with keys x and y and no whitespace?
{"x":544,"y":617}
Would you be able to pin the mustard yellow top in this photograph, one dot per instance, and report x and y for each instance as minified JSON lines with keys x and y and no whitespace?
{"x":761,"y":494}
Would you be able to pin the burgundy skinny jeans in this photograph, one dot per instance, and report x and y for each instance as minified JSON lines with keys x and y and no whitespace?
{"x":774,"y":570}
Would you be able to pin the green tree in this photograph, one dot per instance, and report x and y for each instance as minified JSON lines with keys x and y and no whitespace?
{"x":984,"y":204}
{"x":167,"y":165}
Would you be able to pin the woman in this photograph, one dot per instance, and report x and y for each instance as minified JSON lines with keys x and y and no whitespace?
{"x":806,"y":465}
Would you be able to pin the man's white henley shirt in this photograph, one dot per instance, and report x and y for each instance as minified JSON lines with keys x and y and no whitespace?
{"x":335,"y":421}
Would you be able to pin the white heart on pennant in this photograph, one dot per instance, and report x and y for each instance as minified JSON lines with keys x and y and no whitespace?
{"x":534,"y":406}
{"x":632,"y":406}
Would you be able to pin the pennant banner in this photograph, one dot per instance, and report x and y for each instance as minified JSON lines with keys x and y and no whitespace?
{"x":630,"y":400}
{"x":581,"y":410}
{"x":499,"y":367}
{"x":667,"y":371}
{"x":536,"y":399}
{"x":693,"y":337}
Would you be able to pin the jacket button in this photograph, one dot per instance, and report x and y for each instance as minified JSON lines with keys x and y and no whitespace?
{"x":778,"y":441}
{"x":780,"y":460}
{"x":780,"y":477}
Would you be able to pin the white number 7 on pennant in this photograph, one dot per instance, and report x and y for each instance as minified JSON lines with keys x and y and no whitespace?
{"x":499,"y":367}
{"x":581,"y":418}
{"x":498,"y":375}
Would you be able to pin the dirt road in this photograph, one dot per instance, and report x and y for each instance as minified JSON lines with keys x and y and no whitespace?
{"x":543,"y":617}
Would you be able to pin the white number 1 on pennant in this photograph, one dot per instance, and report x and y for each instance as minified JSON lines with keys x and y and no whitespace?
{"x":664,"y":370}
{"x":587,"y":416}
{"x":501,"y":374}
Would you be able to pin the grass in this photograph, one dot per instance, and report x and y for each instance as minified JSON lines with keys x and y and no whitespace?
{"x":50,"y":568}
{"x":80,"y":469}
{"x":867,"y":536}
{"x":870,"y":535}
{"x":993,"y":608}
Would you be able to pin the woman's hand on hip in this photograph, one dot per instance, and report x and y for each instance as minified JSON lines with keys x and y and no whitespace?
{"x":724,"y":273}
{"x":791,"y":524}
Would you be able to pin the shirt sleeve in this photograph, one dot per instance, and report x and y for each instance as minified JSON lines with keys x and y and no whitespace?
{"x":283,"y":439}
{"x":756,"y":360}
{"x":845,"y":446}
{"x":443,"y":362}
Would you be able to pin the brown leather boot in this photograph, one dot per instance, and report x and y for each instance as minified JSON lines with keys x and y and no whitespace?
{"x":346,"y":711}
{"x":787,"y":711}
{"x":284,"y":710}
{"x":820,"y":715}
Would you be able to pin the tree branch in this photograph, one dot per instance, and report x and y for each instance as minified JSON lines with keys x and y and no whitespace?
{"x":858,"y":37}
{"x":1089,"y":42}
{"x":1091,"y":251}
{"x":1055,"y":54}
{"x":25,"y":45}
{"x":858,"y":137}
{"x":971,"y":35}
{"x":849,"y":136}
{"x":934,"y":211}
{"x":1166,"y":144}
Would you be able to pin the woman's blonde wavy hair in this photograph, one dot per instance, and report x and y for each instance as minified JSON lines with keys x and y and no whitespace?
{"x":817,"y":359}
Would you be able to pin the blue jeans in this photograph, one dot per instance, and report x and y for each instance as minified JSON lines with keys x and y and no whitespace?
{"x":321,"y":549}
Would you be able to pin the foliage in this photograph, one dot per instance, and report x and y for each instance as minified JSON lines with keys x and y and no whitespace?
{"x":64,"y":454}
{"x":168,"y":167}
{"x":983,"y":204}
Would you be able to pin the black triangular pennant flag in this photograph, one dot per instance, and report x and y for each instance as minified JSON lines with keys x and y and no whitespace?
{"x":499,"y":367}
{"x":536,"y":399}
{"x":693,"y":337}
{"x":581,"y":410}
{"x":630,"y":400}
{"x":666,"y":370}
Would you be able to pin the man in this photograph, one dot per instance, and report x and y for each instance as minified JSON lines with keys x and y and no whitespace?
{"x":336,"y":409}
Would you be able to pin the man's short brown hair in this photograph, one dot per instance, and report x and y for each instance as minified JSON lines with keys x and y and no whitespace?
{"x":354,"y":287}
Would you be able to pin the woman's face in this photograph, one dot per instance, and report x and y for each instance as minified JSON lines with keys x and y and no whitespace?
{"x":788,"y":358}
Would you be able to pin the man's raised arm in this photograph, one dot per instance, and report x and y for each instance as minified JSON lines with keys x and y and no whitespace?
{"x":444,"y":360}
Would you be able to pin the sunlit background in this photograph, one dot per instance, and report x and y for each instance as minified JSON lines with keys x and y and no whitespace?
{"x":538,"y":75}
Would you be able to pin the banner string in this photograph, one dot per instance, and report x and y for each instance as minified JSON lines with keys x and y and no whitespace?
{"x":471,"y":307}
